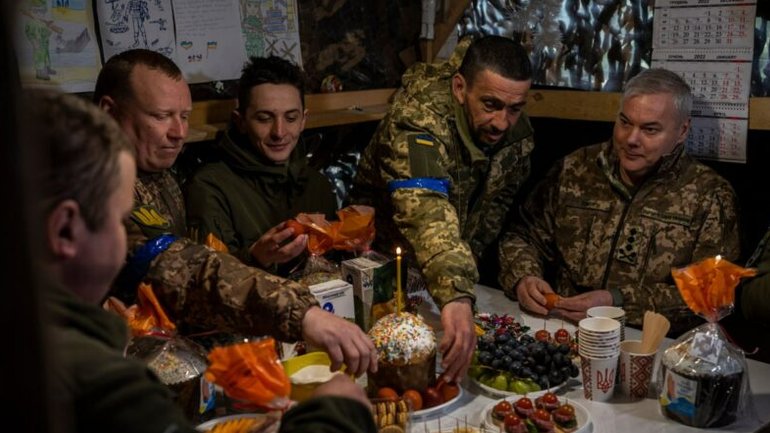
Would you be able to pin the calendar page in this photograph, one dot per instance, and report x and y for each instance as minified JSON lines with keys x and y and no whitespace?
{"x":704,"y":26}
{"x":720,"y":91}
{"x":710,"y":44}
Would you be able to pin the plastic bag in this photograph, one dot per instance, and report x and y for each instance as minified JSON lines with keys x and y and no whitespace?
{"x":252,"y":372}
{"x":354,"y":231}
{"x":146,"y":316}
{"x":178,"y":362}
{"x":702,"y":377}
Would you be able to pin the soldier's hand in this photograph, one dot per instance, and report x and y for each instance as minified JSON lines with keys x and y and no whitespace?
{"x":342,"y":386}
{"x":459,"y":339}
{"x":270,"y":248}
{"x":574,"y":308}
{"x":530,"y":293}
{"x":342,"y":340}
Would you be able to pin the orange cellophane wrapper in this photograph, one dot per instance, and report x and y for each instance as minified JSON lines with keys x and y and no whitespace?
{"x":251,"y":372}
{"x":214,"y":242}
{"x":708,"y":286}
{"x":145,"y":317}
{"x":353,"y":232}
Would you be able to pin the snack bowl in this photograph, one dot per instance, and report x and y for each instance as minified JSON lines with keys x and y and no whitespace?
{"x":302,"y":387}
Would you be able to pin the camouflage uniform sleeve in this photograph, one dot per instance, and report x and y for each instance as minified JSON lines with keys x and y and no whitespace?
{"x":718,"y":234}
{"x":207,"y":212}
{"x":528,"y":242}
{"x":206,"y":288}
{"x":428,"y":221}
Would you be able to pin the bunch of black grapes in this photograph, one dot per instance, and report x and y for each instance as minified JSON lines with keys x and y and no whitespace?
{"x":546,"y":363}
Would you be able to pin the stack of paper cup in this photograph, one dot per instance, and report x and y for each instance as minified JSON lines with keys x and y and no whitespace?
{"x":599,"y":348}
{"x":616,"y":313}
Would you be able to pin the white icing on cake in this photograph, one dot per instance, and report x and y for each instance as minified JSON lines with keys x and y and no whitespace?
{"x":403,"y":338}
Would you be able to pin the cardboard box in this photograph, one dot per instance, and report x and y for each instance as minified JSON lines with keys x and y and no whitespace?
{"x":359,"y":272}
{"x":335,"y":296}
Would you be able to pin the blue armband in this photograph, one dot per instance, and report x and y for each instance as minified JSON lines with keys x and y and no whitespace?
{"x":138,"y":265}
{"x":440,"y":186}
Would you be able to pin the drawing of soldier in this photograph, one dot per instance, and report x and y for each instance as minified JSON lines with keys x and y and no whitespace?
{"x":252,"y":27}
{"x":138,"y":11}
{"x":37,"y":30}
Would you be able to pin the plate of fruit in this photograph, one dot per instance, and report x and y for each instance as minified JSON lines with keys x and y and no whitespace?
{"x":433,"y":400}
{"x":544,"y":414}
{"x":508,"y":361}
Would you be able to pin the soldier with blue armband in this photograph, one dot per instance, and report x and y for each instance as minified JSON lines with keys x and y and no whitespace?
{"x":442,"y":170}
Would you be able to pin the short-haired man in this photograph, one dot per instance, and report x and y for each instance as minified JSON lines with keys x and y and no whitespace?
{"x":262,"y":177}
{"x":85,"y":175}
{"x":612,"y":219}
{"x":146,"y":93}
{"x":442,"y":170}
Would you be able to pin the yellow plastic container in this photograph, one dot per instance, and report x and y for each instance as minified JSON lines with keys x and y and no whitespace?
{"x":301,"y":392}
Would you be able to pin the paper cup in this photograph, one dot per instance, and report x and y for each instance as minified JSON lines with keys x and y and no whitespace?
{"x":598,"y":377}
{"x":616,"y":313}
{"x":635,"y":369}
{"x":598,"y":326}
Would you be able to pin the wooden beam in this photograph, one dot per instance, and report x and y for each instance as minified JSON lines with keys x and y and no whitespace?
{"x":331,"y":109}
{"x":573,"y":104}
{"x":324,"y":109}
{"x":442,"y":30}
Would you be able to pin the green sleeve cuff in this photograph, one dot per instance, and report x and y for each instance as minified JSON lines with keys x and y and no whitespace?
{"x":617,"y":297}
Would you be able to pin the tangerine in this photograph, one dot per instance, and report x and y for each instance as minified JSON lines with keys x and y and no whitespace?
{"x":296,"y":226}
{"x":414,"y":398}
{"x":387,"y":393}
{"x":550,"y":300}
{"x":449,"y":390}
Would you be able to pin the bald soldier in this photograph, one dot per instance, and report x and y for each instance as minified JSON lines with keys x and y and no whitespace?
{"x":611,"y":220}
{"x":442,"y":170}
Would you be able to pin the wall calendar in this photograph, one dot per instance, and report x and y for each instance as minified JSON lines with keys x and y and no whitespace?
{"x":710,"y":44}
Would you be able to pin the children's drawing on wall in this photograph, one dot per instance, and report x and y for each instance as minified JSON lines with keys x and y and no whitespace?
{"x":128,"y":24}
{"x":137,"y":10}
{"x":271,"y":27}
{"x":55,"y":46}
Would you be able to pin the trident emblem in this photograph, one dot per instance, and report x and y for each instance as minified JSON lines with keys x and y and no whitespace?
{"x":604,"y":381}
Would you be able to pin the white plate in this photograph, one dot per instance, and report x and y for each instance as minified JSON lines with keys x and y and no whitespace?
{"x":499,"y":393}
{"x":208,"y":425}
{"x":582,"y":415}
{"x":440,"y":408}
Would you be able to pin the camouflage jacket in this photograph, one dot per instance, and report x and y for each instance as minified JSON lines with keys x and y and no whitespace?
{"x":202,"y":288}
{"x":754,"y":294}
{"x":436,"y":193}
{"x":598,"y":234}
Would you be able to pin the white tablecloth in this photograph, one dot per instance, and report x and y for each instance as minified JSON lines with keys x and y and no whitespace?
{"x":615,"y":416}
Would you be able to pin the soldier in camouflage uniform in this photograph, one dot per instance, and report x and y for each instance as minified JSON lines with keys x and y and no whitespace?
{"x":442,"y":170}
{"x":612,"y":219}
{"x":198,"y":286}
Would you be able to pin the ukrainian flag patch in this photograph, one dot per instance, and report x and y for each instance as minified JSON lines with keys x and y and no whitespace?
{"x":423,"y":139}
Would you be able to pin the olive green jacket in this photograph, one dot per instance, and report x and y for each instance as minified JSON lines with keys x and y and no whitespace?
{"x":94,"y":387}
{"x":436,"y":193}
{"x":242,"y":196}
{"x":583,"y":223}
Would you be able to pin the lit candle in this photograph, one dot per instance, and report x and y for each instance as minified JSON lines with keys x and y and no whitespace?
{"x":398,"y":280}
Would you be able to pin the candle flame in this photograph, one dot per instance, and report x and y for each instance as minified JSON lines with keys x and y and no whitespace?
{"x":398,"y":251}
